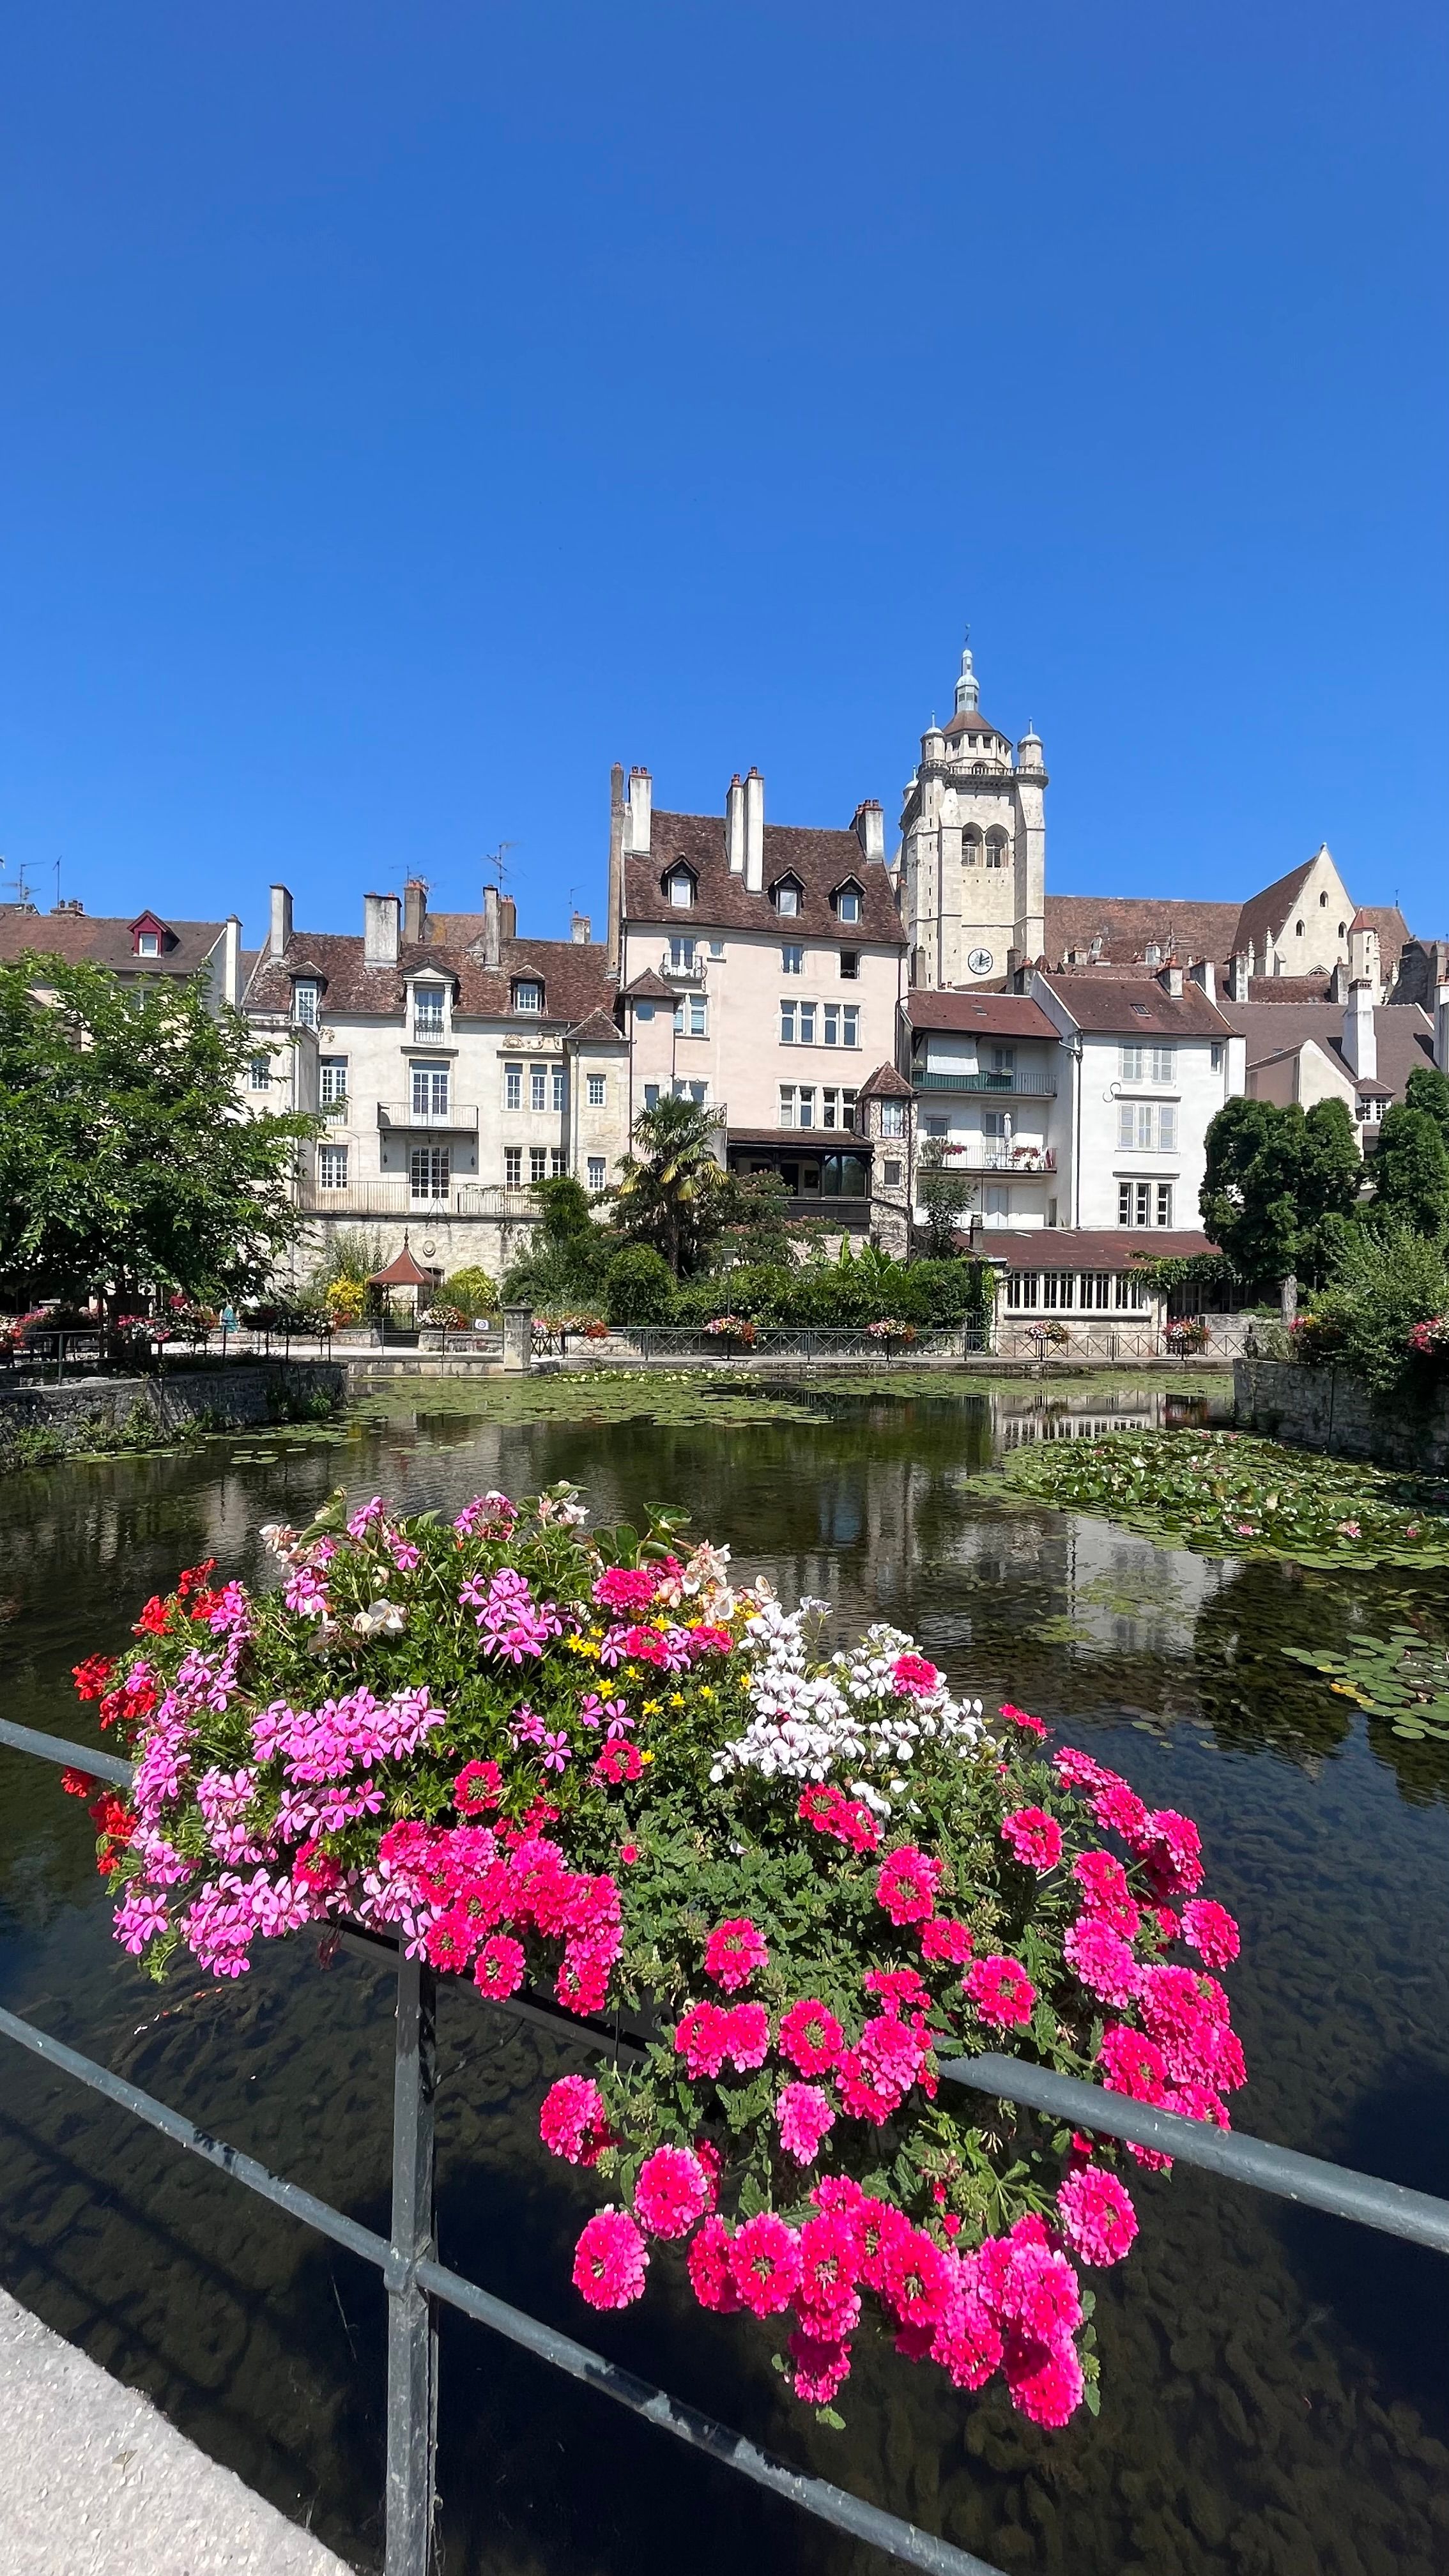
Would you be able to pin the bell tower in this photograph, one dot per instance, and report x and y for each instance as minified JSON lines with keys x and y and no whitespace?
{"x":973,"y":847}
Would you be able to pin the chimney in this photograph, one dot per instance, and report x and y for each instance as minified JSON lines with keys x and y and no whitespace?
{"x":280,"y":929}
{"x":869,"y":829}
{"x":231,"y":960}
{"x":754,"y":832}
{"x":1204,"y":975}
{"x":1338,"y":983}
{"x":379,"y":929}
{"x":1363,"y":959}
{"x":616,"y":866}
{"x":490,"y":926}
{"x":1360,"y":1037}
{"x":641,"y":795}
{"x":581,"y":930}
{"x":735,"y":826}
{"x":1441,"y":1027}
{"x":1170,"y":979}
{"x":507,"y":917}
{"x":1240,"y":966}
{"x":415,"y":911}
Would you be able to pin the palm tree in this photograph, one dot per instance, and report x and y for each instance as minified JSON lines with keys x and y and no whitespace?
{"x":669,"y":1190}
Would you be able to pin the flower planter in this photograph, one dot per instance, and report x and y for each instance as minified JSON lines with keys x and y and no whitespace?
{"x":579,"y":1764}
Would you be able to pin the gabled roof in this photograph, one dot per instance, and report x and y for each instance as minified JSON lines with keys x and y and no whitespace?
{"x":1266,"y":913}
{"x":599,"y":1029}
{"x":972,"y":721}
{"x":1128,"y":925}
{"x":574,"y":975}
{"x":885,"y":1084}
{"x":83,"y":940}
{"x":1133,"y":1006}
{"x":1394,"y":933}
{"x":1403,"y":1036}
{"x":822,"y":860}
{"x":992,"y":1015}
{"x":403,"y":1271}
{"x":648,"y":987}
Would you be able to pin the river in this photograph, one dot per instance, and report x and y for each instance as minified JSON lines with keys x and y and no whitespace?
{"x":1275,"y":2385}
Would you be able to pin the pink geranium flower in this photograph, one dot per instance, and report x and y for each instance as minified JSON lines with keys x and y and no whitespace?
{"x":671,"y":2193}
{"x":733,"y":1953}
{"x":1019,"y":1717}
{"x":1035,"y":1837}
{"x":804,"y":2115}
{"x":810,"y":2037}
{"x":944,"y":1939}
{"x":822,"y":2364}
{"x":765,"y":2263}
{"x":498,"y":1968}
{"x":1002,"y":1992}
{"x":1043,"y":2381}
{"x":610,"y":2261}
{"x":912,"y":1677}
{"x":1098,"y":2219}
{"x":907,"y":1883}
{"x":710,"y":2276}
{"x":571,"y":2117}
{"x":1103,"y":1961}
{"x":1211,"y":1931}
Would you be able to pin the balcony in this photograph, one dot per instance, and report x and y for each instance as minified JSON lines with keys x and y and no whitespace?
{"x":676,"y":972}
{"x":428,"y":1030}
{"x":1023,"y":1162}
{"x":852,"y":1216}
{"x":460,"y":1118}
{"x":395,"y":1197}
{"x":1028,"y":1082}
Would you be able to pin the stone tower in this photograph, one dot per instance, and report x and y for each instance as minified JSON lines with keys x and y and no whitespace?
{"x":973,"y":854}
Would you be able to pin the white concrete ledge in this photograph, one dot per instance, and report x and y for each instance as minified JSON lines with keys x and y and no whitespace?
{"x":93,"y":2479}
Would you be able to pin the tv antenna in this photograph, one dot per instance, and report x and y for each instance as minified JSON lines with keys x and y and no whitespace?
{"x":15,"y":887}
{"x":494,"y":859}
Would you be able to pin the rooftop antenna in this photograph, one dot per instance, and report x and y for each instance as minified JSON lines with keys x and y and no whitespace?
{"x":15,"y":878}
{"x":494,"y":859}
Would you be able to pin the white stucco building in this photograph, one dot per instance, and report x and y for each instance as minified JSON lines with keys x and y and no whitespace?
{"x":1147,"y":1062}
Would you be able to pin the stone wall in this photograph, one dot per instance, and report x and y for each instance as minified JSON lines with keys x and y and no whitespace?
{"x":1324,"y":1409}
{"x":230,"y":1395}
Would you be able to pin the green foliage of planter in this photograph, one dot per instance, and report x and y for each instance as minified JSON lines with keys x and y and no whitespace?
{"x":1227,"y":1494}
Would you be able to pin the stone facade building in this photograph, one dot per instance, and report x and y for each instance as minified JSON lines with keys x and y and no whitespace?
{"x":972,"y":867}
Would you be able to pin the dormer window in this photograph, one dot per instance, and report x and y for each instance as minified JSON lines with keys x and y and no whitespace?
{"x":148,"y":943}
{"x":786,"y":897}
{"x":679,"y":888}
{"x":847,"y":903}
{"x":306,"y":1003}
{"x":427,"y":1010}
{"x":527,"y":995}
{"x":150,"y":936}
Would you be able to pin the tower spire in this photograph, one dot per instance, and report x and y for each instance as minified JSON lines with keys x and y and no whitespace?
{"x":968,"y":695}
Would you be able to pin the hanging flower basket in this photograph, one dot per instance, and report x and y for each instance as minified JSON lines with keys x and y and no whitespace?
{"x":545,"y":1757}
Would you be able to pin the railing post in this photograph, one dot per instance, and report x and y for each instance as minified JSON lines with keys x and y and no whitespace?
{"x":412,"y":2375}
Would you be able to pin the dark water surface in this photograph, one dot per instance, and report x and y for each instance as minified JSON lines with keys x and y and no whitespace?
{"x":1275,"y":2386}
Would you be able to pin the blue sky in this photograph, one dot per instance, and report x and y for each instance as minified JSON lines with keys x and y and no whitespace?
{"x":410,"y":411}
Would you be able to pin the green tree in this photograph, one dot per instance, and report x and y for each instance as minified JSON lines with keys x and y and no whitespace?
{"x":1274,"y":1182}
{"x":944,"y":1194}
{"x":470,"y":1290}
{"x":672,"y":1191}
{"x":1387,"y":1278}
{"x":754,"y":1221}
{"x":639,"y":1286}
{"x":126,"y":1159}
{"x":1411,"y":1169}
{"x":1428,"y":1089}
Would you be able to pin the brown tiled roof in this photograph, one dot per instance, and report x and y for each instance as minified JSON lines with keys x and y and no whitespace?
{"x":995,"y":1015}
{"x":973,"y":722}
{"x":599,"y":1029}
{"x":821,"y":860}
{"x":1394,"y":933}
{"x":1288,"y":988}
{"x":649,"y":987}
{"x":575,"y":977}
{"x":1403,"y":1034}
{"x":1128,"y":925}
{"x":811,"y":1140}
{"x":83,"y":940}
{"x":1064,"y":1247}
{"x":1136,"y":1005}
{"x":885,"y":1084}
{"x":1269,"y":910}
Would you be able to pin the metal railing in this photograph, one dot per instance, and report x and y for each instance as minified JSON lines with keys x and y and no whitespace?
{"x":798,"y":1342}
{"x":1025,"y":1081}
{"x":456,"y":1117}
{"x":415,"y":2280}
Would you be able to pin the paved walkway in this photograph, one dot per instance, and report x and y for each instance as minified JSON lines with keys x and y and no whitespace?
{"x":93,"y":2482}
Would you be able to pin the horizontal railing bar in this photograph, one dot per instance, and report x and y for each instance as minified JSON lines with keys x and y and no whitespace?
{"x":903,"y":2541}
{"x":213,"y":2151}
{"x":76,"y":1757}
{"x":1387,"y":2206}
{"x":900,"y":2540}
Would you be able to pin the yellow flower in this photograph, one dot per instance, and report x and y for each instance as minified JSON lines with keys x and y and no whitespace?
{"x":706,"y":1690}
{"x":651,"y":1708}
{"x":646,"y":1757}
{"x":676,"y":1699}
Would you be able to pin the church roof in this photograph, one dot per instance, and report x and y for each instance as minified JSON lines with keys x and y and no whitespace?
{"x":971,"y":720}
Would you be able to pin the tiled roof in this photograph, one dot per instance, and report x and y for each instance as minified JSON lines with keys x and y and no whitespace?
{"x":1132,"y":1006}
{"x":575,"y":977}
{"x":599,"y":1029}
{"x":1063,"y":1247}
{"x":821,"y":860}
{"x":972,"y":721}
{"x":83,"y":940}
{"x":649,"y":987}
{"x":1288,"y":988}
{"x":1267,"y":912}
{"x":809,"y":1140}
{"x":1394,"y":933}
{"x":1403,"y":1035}
{"x":1128,"y":925}
{"x":994,"y":1015}
{"x":885,"y":1084}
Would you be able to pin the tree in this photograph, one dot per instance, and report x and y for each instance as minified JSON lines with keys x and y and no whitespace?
{"x":944,"y":1194}
{"x":126,"y":1159}
{"x":639,"y":1286}
{"x":1387,"y":1278}
{"x":1428,"y":1089}
{"x":1275,"y":1180}
{"x":1411,"y":1169}
{"x":754,"y":1221}
{"x":672,"y":1192}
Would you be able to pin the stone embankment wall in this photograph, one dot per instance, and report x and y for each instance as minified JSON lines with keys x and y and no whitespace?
{"x":1324,"y":1409}
{"x":227,"y":1395}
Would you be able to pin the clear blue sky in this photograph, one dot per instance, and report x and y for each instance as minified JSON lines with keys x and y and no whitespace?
{"x":408,"y":411}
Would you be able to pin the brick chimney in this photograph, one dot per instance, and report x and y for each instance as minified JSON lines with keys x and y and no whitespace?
{"x":1170,"y":978}
{"x":1204,"y":975}
{"x":491,"y":949}
{"x":735,"y":826}
{"x":641,"y":800}
{"x":868,"y":826}
{"x":415,"y":911}
{"x":581,"y":930}
{"x":1240,"y":967}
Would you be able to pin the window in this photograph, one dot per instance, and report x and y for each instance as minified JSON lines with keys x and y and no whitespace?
{"x":598,"y":1090}
{"x":691,"y":1016}
{"x":995,"y":850}
{"x":427,"y":1010}
{"x":1134,"y":1202}
{"x":998,"y":1209}
{"x":332,"y":1167}
{"x":1167,"y":1129}
{"x":1343,"y":930}
{"x":681,"y":955}
{"x":850,"y":965}
{"x":797,"y":1023}
{"x":643,"y":1010}
{"x":716,"y":948}
{"x":430,"y":1090}
{"x":1021,"y":1297}
{"x":1058,"y":1291}
{"x":842,"y":1024}
{"x":893,"y":1118}
{"x":792,"y":958}
{"x":837,"y":1107}
{"x":1132,"y":1064}
{"x":1003,"y":1059}
{"x":1164,"y":1202}
{"x":847,"y":904}
{"x":513,"y":1086}
{"x":1139,"y":1009}
{"x":679,"y":887}
{"x":1164,"y":1064}
{"x":306,"y":1004}
{"x":538,"y":1162}
{"x":596,"y":1172}
{"x":688,"y":1091}
{"x":786,"y":900}
{"x":428,"y":1171}
{"x":559,"y":1092}
{"x":971,"y":849}
{"x":845,"y":1176}
{"x":1217,"y":1059}
{"x":1096,"y":1286}
{"x":1297,"y":929}
{"x":1128,"y":1292}
{"x":259,"y":1073}
{"x":797,"y":1104}
{"x":538,"y":1086}
{"x":1141,"y":1125}
{"x":892,"y":1176}
{"x":1323,"y":903}
{"x":528,"y":997}
{"x":512,"y":1166}
{"x":332,"y":1074}
{"x":148,"y":943}
{"x":558,"y":1161}
{"x":993,"y":1124}
{"x":651,"y":1095}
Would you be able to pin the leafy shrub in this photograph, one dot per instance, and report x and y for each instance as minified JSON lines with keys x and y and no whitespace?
{"x":471,"y":1291}
{"x":639,"y":1286}
{"x":346,"y":1301}
{"x":1385,"y":1280}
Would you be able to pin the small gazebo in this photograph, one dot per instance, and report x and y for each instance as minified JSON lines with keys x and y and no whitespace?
{"x":404,"y":1271}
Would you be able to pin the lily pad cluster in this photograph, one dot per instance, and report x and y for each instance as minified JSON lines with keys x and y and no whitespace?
{"x":1402,"y":1677}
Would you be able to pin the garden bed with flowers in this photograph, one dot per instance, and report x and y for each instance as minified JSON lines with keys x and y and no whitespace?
{"x":1227,"y":1493}
{"x":549,"y":1758}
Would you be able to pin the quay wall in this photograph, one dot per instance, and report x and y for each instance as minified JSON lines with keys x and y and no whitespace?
{"x":226,"y":1395}
{"x":1313,"y":1408}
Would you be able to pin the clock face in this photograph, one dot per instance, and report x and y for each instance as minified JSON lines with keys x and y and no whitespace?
{"x":980,"y":961}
